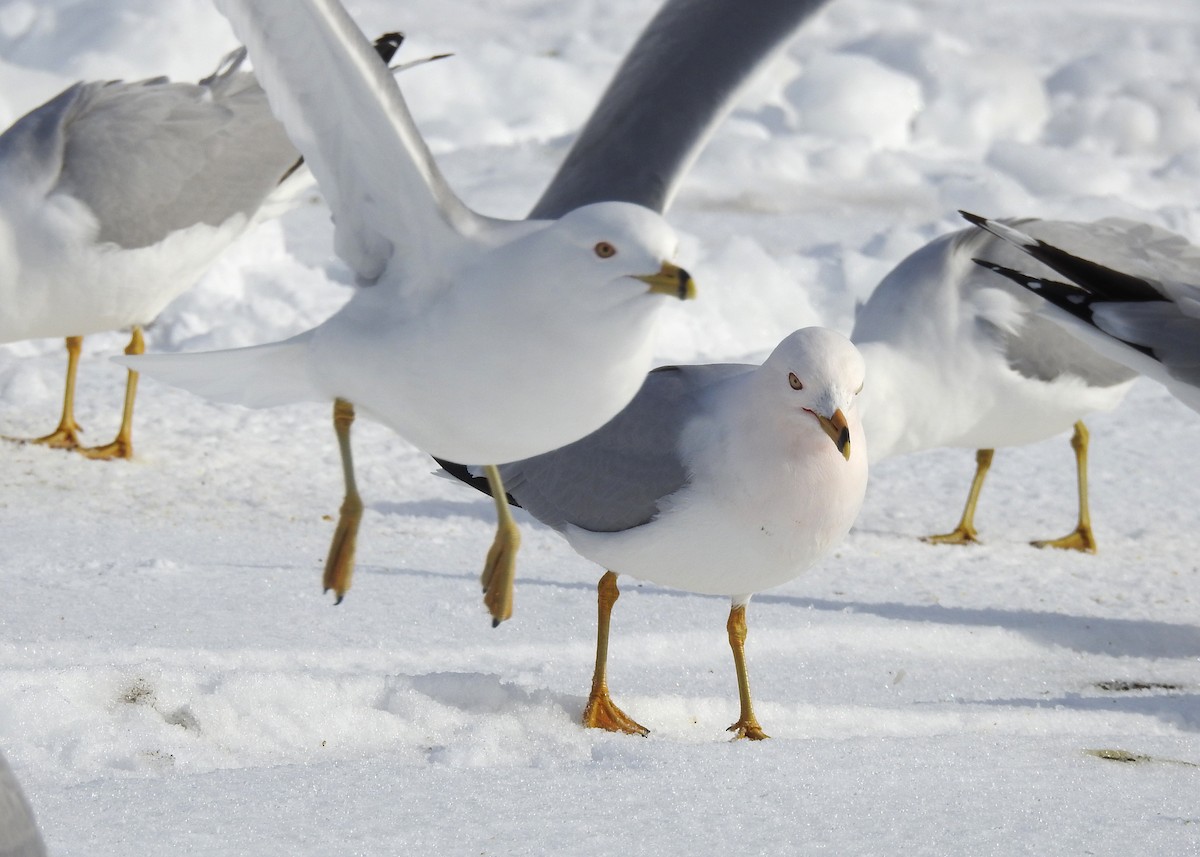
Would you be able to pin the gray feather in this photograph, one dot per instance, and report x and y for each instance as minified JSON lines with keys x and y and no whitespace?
{"x":153,"y":157}
{"x":1040,"y":349}
{"x":614,"y":478}
{"x":675,"y":85}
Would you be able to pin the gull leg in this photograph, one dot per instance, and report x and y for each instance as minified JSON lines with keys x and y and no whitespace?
{"x":122,"y":445}
{"x":747,"y":724}
{"x":66,"y":436}
{"x":339,"y":565}
{"x":965,"y":532}
{"x":1081,"y":538}
{"x":499,"y":571}
{"x":601,"y":712}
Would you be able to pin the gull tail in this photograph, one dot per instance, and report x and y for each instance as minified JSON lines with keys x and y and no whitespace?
{"x":261,"y":376}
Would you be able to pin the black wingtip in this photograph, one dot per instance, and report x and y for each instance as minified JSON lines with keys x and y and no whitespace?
{"x":387,"y":45}
{"x":973,"y":218}
{"x":463,"y":474}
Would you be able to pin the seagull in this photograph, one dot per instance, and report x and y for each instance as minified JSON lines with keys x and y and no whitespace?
{"x":116,"y":197}
{"x":474,"y":338}
{"x":959,"y":358}
{"x":1149,"y":320}
{"x":720,"y":479}
{"x":19,"y":834}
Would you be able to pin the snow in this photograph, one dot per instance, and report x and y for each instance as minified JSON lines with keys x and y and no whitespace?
{"x":173,"y":681}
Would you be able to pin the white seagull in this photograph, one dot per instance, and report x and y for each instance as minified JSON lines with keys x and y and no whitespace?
{"x":960,"y":358}
{"x":19,"y":834}
{"x":1143,"y":312}
{"x":475,"y":339}
{"x":116,"y":197}
{"x":722,"y":479}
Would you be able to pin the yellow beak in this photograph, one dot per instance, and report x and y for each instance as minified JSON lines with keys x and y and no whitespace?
{"x":837,"y":430}
{"x":671,"y":280}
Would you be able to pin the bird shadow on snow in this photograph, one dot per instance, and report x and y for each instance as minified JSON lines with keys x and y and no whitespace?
{"x":480,"y":511}
{"x":1181,"y":710}
{"x":1089,"y":634}
{"x":1099,"y":635}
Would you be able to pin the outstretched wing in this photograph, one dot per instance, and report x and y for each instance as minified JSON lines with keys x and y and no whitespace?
{"x":344,"y":112}
{"x":675,"y":85}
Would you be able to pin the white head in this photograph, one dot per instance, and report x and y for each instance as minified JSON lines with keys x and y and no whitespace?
{"x":610,"y":255}
{"x":818,"y":373}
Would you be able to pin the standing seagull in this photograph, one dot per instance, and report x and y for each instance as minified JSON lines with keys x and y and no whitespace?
{"x":719,"y":479}
{"x":474,"y":338}
{"x":116,"y":197}
{"x":960,"y":358}
{"x":1149,"y":321}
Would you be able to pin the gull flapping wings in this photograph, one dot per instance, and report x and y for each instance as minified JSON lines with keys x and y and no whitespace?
{"x":313,"y":53}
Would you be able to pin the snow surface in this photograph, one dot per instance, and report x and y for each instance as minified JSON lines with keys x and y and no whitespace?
{"x":172,"y":680}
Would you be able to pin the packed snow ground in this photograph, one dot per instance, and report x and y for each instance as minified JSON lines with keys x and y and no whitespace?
{"x":172,"y":680}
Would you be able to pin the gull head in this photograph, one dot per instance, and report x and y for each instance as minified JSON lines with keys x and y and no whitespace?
{"x":818,"y":373}
{"x":612,"y":254}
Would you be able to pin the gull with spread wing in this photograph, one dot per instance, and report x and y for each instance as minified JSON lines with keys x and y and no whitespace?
{"x":474,"y":338}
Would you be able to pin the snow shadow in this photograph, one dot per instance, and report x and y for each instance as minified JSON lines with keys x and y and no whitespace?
{"x":1091,"y":634}
{"x":1181,"y":710}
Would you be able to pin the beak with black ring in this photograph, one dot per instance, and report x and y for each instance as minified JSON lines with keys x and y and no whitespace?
{"x":670,"y":280}
{"x":837,"y":429}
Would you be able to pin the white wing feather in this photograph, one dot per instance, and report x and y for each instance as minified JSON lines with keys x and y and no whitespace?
{"x":344,"y":112}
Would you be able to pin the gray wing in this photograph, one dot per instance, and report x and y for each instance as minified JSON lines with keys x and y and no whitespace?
{"x":613,"y":479}
{"x":19,"y":836}
{"x":676,"y":84}
{"x":154,"y":157}
{"x":1039,"y":349}
{"x":1149,"y":322}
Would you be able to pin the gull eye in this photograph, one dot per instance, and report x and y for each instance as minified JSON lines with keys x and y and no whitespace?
{"x":859,"y":390}
{"x":605,"y":250}
{"x":796,"y":383}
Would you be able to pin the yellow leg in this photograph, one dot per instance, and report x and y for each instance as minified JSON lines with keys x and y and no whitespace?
{"x":601,"y":712}
{"x":66,"y":436}
{"x":1081,"y":538}
{"x":747,"y":724}
{"x":965,"y":532}
{"x":499,"y":571}
{"x":122,"y":445}
{"x":339,"y":565}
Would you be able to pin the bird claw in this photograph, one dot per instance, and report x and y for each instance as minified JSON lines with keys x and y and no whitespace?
{"x":749,"y":729}
{"x":119,"y":448}
{"x":602,"y":713}
{"x":957,"y":536}
{"x":63,"y":437}
{"x":1080,"y":539}
{"x":499,"y":573}
{"x":339,"y":566}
